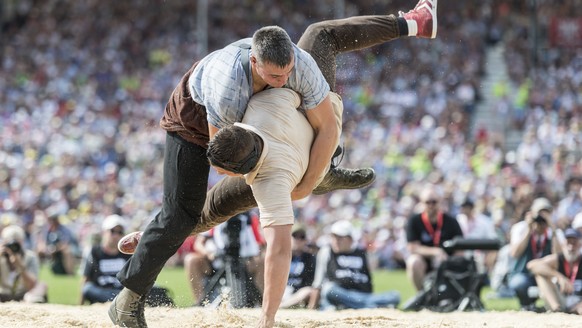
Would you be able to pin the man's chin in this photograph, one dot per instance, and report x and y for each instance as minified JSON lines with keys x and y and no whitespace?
{"x":571,"y":257}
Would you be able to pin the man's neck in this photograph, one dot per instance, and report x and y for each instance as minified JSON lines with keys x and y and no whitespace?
{"x":572,"y":259}
{"x":432,"y":216}
{"x":258,"y":83}
{"x":110,"y":250}
{"x":258,"y":87}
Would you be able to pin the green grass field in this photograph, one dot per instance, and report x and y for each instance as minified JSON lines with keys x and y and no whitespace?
{"x":66,"y":289}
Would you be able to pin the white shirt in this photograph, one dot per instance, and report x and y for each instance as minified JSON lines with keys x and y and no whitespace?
{"x":481,"y":227}
{"x":287,"y":136}
{"x":519,"y":229}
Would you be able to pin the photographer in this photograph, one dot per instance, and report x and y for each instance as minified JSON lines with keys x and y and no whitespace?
{"x":18,"y":269}
{"x":532,"y":238}
{"x":238,"y":238}
{"x":58,"y":245}
{"x":558,"y":277}
{"x":103,"y":261}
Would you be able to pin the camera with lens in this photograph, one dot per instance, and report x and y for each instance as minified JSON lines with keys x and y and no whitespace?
{"x":540,"y":219}
{"x":14,"y":247}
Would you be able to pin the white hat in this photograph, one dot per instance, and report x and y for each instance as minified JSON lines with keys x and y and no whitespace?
{"x":12,"y":233}
{"x":342,"y":228}
{"x":540,"y":204}
{"x":113,"y":221}
{"x":577,"y":222}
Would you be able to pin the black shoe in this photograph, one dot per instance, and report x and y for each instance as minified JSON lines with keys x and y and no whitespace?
{"x":340,"y":178}
{"x":127,"y":310}
{"x":533,"y":308}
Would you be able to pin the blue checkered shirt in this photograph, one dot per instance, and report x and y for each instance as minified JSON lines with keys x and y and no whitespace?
{"x":219,"y":83}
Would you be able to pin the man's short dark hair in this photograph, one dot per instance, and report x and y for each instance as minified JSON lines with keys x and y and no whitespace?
{"x":572,"y":180}
{"x":235,"y":149}
{"x":272,"y":44}
{"x":468,"y":203}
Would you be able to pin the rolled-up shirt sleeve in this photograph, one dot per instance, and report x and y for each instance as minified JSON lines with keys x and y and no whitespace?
{"x":273,"y":196}
{"x":307,"y":80}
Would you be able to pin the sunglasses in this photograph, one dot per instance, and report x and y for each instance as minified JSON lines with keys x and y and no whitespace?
{"x":340,"y":237}
{"x":300,"y":237}
{"x":117,"y":232}
{"x":431,"y":202}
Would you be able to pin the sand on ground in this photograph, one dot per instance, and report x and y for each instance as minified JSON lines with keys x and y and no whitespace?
{"x":13,"y":314}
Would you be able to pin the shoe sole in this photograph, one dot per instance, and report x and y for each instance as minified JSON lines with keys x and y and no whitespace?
{"x":319,"y":193}
{"x":112,"y":313}
{"x":434,"y":20}
{"x":122,"y":245}
{"x":113,"y":316}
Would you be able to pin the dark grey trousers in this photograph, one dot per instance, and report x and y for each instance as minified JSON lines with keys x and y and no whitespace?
{"x":186,"y":207}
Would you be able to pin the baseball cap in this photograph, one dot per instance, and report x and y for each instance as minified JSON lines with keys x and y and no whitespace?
{"x":468,"y":203}
{"x":539,"y":204}
{"x":572,"y":233}
{"x":12,"y":233}
{"x":113,"y":221}
{"x":342,"y":228}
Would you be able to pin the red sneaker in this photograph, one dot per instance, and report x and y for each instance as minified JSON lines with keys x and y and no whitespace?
{"x":128,"y":243}
{"x":425,"y":16}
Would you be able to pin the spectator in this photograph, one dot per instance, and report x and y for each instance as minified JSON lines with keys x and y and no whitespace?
{"x":101,"y":264}
{"x":186,"y":248}
{"x":239,"y":237}
{"x":478,"y":226}
{"x":530,"y":239}
{"x":58,"y":244}
{"x":389,"y":248}
{"x":499,"y":275}
{"x":198,"y":266}
{"x":102,"y":120}
{"x":426,"y":232}
{"x":558,"y":277}
{"x":301,"y":272}
{"x":570,"y":204}
{"x":89,"y":117}
{"x":342,"y":276}
{"x":475,"y":225}
{"x":19,"y":268}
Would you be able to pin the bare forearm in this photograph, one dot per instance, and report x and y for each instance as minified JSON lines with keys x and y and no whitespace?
{"x":546,"y":272}
{"x":322,"y":150}
{"x":276,"y":274}
{"x":314,"y":299}
{"x":277,"y":264}
{"x":545,"y":267}
{"x":28,"y":280}
{"x":519,"y":248}
{"x":81,"y":297}
{"x":425,"y":251}
{"x":327,"y":132}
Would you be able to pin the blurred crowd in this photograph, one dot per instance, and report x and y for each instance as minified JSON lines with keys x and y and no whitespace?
{"x":84,"y":84}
